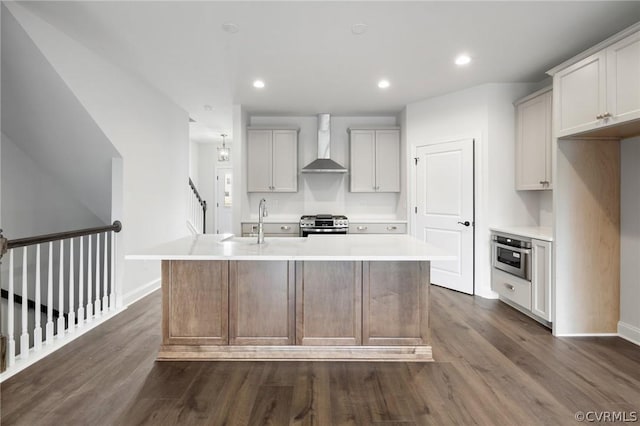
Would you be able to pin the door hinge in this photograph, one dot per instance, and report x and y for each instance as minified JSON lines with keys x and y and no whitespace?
{"x":416,"y":159}
{"x":217,"y":204}
{"x":217,"y":177}
{"x":415,"y":209}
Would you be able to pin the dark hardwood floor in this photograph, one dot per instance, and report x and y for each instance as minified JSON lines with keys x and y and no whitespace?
{"x":493,"y":366}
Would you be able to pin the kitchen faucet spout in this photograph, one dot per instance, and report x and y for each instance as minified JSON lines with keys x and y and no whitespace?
{"x":262,"y":212}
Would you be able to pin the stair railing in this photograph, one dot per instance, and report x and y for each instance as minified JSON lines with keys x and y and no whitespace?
{"x":197,"y":210}
{"x":80,"y":283}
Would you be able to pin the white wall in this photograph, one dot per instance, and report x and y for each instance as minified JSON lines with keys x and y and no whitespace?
{"x":35,"y":202}
{"x":486,"y":114}
{"x":629,"y":325}
{"x":149,"y":131}
{"x":325,"y":193}
{"x":194,"y":163}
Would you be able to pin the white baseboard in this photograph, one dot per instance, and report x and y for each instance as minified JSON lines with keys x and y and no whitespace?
{"x":629,"y":332}
{"x":587,"y":335}
{"x":140,"y":292}
{"x":487,"y":294}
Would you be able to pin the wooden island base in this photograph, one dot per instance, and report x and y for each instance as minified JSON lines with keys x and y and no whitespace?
{"x":295,"y":310}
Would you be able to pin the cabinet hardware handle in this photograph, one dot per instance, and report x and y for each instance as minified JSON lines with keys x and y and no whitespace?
{"x":542,"y":182}
{"x":254,"y":227}
{"x":391,"y":228}
{"x":285,"y":227}
{"x":510,"y":287}
{"x":361,"y":228}
{"x":599,"y":117}
{"x":606,"y":115}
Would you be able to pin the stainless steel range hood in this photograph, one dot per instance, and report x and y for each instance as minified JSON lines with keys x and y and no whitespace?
{"x":324,"y":163}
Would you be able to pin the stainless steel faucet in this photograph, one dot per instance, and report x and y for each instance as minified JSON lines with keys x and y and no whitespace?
{"x":262,"y":213}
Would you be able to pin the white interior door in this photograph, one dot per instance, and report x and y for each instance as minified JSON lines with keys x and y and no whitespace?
{"x":444,"y":213}
{"x":224,"y":181}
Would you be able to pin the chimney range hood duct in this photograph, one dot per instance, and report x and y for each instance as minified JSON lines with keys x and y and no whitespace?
{"x":324,"y":163}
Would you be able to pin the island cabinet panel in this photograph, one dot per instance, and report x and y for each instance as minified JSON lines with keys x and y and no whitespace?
{"x":261,"y":303}
{"x":395,"y":303}
{"x":328,"y":303}
{"x":195,"y":302}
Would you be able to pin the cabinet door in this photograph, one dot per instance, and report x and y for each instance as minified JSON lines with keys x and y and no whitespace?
{"x":259,"y":161}
{"x":395,"y":303}
{"x":387,"y":160}
{"x":285,"y":161}
{"x":261,"y":303}
{"x":195,"y":302}
{"x":623,"y":79}
{"x":329,"y":303}
{"x":580,"y":91}
{"x":533,"y":143}
{"x":362,"y":153}
{"x":541,"y":279}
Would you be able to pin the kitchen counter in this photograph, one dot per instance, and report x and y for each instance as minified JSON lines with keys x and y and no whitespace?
{"x":336,"y":297}
{"x":315,"y":247}
{"x":538,"y":233}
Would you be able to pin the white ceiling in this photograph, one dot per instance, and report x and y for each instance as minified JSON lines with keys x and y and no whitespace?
{"x":310,"y":60}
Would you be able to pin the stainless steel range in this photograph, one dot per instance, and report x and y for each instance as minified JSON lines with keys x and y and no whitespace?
{"x":325,"y":224}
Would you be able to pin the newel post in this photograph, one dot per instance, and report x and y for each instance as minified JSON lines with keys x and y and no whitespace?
{"x":4,"y":244}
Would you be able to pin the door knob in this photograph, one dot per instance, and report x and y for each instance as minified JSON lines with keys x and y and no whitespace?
{"x":465,"y":223}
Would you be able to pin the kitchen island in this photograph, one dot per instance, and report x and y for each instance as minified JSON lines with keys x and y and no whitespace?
{"x":347,"y":297}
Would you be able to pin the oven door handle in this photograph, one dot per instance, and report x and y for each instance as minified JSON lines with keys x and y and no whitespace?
{"x":518,"y":249}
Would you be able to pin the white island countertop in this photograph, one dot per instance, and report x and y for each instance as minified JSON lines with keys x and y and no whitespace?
{"x":314,"y":247}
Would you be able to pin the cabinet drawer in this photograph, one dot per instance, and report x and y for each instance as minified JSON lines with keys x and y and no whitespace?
{"x":272,"y":229}
{"x":378,"y":228}
{"x":511,"y":287}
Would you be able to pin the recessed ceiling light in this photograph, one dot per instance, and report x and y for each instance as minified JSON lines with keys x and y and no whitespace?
{"x":358,"y":29}
{"x":258,"y":84}
{"x":463,"y":59}
{"x":230,"y":27}
{"x":383,"y":84}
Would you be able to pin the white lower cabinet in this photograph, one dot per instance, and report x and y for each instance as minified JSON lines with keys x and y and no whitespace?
{"x":532,"y":297}
{"x":511,"y":287}
{"x":541,"y":279}
{"x":377,"y":228}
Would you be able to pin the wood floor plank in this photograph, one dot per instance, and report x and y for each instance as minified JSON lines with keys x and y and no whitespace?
{"x":493,"y":365}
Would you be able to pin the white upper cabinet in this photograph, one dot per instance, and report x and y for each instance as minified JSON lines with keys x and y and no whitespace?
{"x":272,"y":160}
{"x":600,"y":90}
{"x":375,"y":160}
{"x":623,"y":79}
{"x":533,"y":141}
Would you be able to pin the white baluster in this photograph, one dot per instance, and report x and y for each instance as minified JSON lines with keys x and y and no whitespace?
{"x":37,"y":331}
{"x":61,"y":292}
{"x":71,"y":313}
{"x":49,"y":325}
{"x":24,"y":337}
{"x":97,"y":300}
{"x":112,"y":276}
{"x":10,"y":314}
{"x":89,"y":282}
{"x":105,"y":278}
{"x":81,"y":283}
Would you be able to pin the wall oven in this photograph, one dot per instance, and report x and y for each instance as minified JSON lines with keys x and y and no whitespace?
{"x":323,"y":224}
{"x":511,"y":255}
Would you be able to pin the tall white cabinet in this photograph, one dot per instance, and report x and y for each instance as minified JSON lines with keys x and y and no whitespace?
{"x":272,"y":160}
{"x":533,"y":141}
{"x":375,"y":160}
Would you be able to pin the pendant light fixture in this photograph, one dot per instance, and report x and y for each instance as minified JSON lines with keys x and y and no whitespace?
{"x":223,"y":151}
